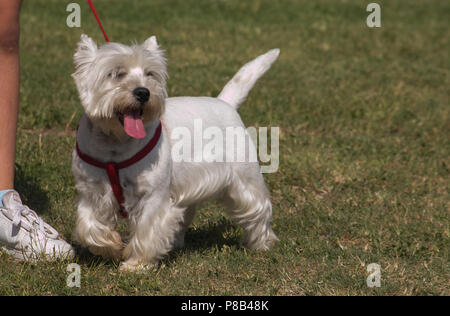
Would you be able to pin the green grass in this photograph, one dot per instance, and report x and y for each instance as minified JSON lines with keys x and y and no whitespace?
{"x":364,"y":146}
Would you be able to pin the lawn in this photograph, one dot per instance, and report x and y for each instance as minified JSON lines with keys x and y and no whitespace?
{"x":364,"y":144}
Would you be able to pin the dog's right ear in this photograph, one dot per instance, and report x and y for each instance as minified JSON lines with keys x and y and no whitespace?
{"x":86,"y":51}
{"x":83,"y":59}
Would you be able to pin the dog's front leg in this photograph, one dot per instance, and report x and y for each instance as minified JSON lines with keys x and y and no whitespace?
{"x":95,"y":230}
{"x":153,"y":232}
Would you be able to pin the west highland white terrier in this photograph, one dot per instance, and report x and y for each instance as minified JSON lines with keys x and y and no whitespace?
{"x":123,"y":162}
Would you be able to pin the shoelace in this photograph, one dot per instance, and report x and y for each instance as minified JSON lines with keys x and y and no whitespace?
{"x":28,"y":219}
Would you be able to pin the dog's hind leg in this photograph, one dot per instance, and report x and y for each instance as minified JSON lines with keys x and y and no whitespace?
{"x":248,"y":204}
{"x":97,"y":235}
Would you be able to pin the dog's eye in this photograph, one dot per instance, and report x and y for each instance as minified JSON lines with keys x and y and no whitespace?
{"x":120,"y":75}
{"x":149,"y":74}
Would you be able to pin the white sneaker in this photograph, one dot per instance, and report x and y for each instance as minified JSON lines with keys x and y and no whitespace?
{"x":24,"y":235}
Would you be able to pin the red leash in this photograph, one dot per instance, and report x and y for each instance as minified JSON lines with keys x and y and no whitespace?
{"x":98,"y":19}
{"x":112,"y":168}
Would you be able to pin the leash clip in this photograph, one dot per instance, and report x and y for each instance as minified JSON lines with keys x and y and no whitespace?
{"x":123,"y":213}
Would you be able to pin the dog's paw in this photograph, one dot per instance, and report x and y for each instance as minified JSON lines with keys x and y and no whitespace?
{"x":136,"y":266}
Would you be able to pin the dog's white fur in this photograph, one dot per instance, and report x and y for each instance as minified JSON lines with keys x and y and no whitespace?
{"x":160,"y":195}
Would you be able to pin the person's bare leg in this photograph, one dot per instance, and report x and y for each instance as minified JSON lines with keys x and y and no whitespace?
{"x":9,"y":88}
{"x":39,"y":240}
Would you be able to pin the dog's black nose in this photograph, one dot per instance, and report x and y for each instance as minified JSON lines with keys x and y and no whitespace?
{"x":142,"y":94}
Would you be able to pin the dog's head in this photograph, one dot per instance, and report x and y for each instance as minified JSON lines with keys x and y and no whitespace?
{"x":122,"y":88}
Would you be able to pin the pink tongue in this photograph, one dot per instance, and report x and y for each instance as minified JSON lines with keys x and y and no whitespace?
{"x":133,"y":125}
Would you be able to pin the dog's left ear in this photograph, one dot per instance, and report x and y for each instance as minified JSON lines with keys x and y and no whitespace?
{"x":151,"y":44}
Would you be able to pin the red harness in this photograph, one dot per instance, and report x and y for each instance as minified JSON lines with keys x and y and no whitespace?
{"x":112,"y":168}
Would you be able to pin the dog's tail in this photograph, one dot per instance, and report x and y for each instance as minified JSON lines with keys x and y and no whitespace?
{"x":236,"y":90}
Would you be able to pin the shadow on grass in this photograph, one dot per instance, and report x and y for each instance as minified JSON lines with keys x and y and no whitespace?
{"x":217,"y":235}
{"x":213,"y":235}
{"x":85,"y":257}
{"x":30,"y":191}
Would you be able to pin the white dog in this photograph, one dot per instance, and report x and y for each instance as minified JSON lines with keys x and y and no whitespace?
{"x":123,"y":162}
